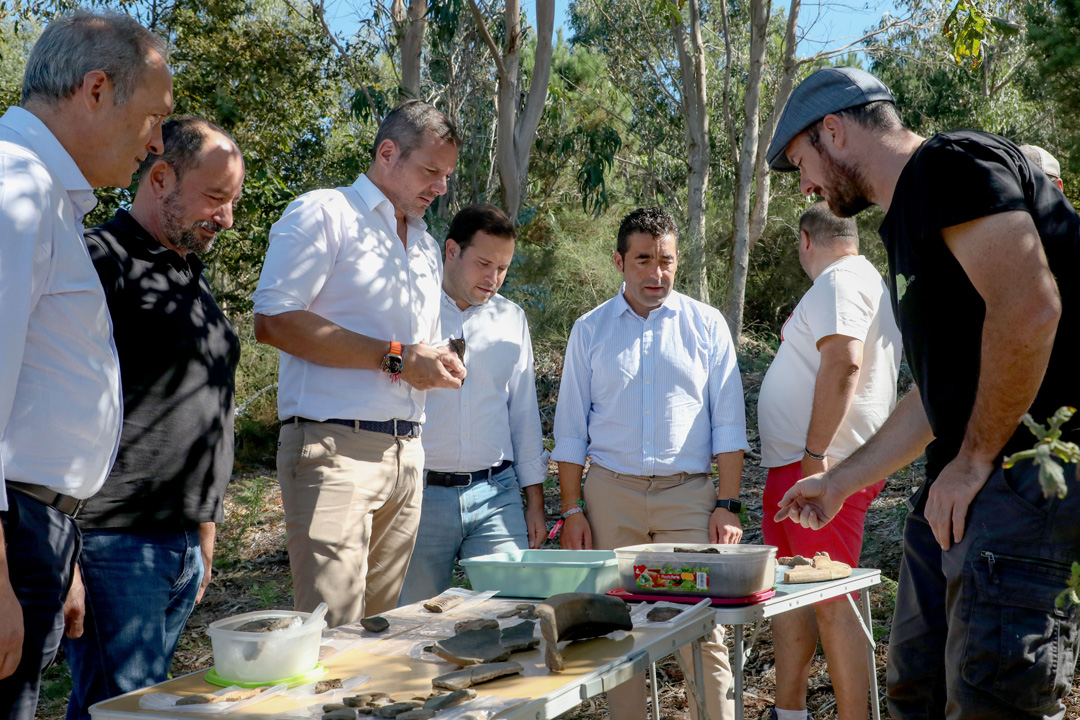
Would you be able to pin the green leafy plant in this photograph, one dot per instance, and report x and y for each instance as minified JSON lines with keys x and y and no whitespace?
{"x":970,"y":27}
{"x":1052,"y":474}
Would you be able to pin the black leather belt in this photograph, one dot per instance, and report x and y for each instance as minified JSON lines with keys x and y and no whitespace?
{"x":397,"y":428}
{"x":64,"y":503}
{"x":464,"y":479}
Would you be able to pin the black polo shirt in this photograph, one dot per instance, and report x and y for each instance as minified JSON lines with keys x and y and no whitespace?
{"x":178,"y":356}
{"x":954,"y":178}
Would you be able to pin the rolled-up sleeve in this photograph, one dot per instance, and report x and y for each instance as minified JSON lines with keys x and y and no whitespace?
{"x":526,"y":433}
{"x":575,"y":399}
{"x":726,"y":406}
{"x":303,"y":247}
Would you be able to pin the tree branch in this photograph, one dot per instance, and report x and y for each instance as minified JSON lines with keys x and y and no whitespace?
{"x":481,"y":26}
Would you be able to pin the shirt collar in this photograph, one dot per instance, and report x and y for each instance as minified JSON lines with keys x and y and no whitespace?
{"x":376,"y":199}
{"x":621,"y":306}
{"x":58,"y":160}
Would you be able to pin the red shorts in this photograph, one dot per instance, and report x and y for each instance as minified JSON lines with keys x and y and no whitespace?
{"x":841,"y":538}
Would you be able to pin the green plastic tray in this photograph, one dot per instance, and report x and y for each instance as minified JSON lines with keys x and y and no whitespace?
{"x":542,"y":573}
{"x":214,"y":679}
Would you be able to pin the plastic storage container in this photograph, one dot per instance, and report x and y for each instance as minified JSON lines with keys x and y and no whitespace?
{"x":735,"y":571}
{"x":542,"y":573}
{"x":264,"y":657}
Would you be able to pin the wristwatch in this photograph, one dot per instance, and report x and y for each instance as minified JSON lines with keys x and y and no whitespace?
{"x":392,"y":362}
{"x":731,"y":505}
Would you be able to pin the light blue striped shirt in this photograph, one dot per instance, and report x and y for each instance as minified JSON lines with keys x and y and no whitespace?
{"x":650,"y":396}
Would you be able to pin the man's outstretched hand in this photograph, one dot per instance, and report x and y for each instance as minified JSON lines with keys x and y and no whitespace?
{"x":811,"y":502}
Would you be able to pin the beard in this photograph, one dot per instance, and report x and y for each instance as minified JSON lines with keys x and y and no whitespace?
{"x":185,"y":236}
{"x":848,"y":191}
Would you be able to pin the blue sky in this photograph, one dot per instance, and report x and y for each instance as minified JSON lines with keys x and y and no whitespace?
{"x":826,"y":23}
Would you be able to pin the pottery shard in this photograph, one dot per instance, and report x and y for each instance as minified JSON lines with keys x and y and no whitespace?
{"x":662,"y":614}
{"x":520,"y":637}
{"x":472,"y":647}
{"x":344,"y":714}
{"x":441,"y":702}
{"x":327,"y":685}
{"x":578,"y":616}
{"x":417,"y":714}
{"x":375,"y":624}
{"x":442,"y":603}
{"x":824,"y":568}
{"x":395,"y":709}
{"x":475,"y":675}
{"x":478,"y":624}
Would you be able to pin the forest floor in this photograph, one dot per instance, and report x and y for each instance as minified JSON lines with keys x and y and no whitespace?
{"x":251,"y":572}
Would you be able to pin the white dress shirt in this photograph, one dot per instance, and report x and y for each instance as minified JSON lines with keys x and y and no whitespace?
{"x":60,"y":402}
{"x":494,"y":416}
{"x":336,"y":253}
{"x":650,"y":396}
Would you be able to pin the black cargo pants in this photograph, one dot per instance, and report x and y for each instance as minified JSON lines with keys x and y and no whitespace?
{"x":976,"y":633}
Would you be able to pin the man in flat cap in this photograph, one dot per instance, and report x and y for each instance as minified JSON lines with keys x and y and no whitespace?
{"x":976,"y":239}
{"x":1046,"y":162}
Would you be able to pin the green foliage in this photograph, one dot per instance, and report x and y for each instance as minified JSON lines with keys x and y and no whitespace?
{"x":1049,"y":448}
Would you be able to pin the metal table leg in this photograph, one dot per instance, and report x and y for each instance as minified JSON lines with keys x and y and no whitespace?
{"x":737,"y":631}
{"x":655,"y":692}
{"x":875,"y":706}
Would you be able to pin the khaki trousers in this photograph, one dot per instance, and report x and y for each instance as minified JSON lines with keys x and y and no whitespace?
{"x":633,"y":509}
{"x":352,"y":507}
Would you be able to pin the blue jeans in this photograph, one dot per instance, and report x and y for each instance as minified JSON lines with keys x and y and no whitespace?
{"x":42,"y":544}
{"x":483,"y":518}
{"x":140,"y":590}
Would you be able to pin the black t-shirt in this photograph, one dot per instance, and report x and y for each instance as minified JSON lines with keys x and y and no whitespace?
{"x":954,"y":178}
{"x":178,"y":356}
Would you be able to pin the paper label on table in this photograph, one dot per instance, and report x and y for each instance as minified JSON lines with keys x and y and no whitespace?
{"x":670,"y":577}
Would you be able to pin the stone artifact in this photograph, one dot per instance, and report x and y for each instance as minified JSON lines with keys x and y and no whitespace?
{"x":528,"y":613}
{"x":458,"y":346}
{"x":520,"y":637}
{"x":356,"y":701}
{"x":441,"y":702}
{"x":478,"y":624}
{"x":662,"y":614}
{"x":442,"y":603}
{"x":375,"y":624}
{"x":327,"y":685}
{"x":476,"y":674}
{"x":417,"y":714}
{"x":343,"y":714}
{"x":267,"y":624}
{"x":200,"y":699}
{"x":578,"y":616}
{"x":823,"y":568}
{"x":794,"y":561}
{"x":330,"y":707}
{"x":508,"y":613}
{"x":699,"y":551}
{"x":231,"y":696}
{"x":472,"y":647}
{"x":395,"y":709}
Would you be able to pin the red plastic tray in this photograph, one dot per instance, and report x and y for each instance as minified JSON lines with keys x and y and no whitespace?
{"x":748,"y":600}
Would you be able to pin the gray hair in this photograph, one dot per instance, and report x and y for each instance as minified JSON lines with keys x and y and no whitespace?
{"x":183,"y":137}
{"x":826,"y":229}
{"x":80,"y":42}
{"x":407,"y":123}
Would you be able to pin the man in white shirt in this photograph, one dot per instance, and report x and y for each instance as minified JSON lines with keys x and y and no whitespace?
{"x":483,"y":444}
{"x":651,"y":391}
{"x":830,"y":387}
{"x":349,"y":294}
{"x":95,"y":91}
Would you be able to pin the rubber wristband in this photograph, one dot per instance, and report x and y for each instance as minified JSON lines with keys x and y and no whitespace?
{"x":579,"y":503}
{"x":815,"y":456}
{"x":571,"y":511}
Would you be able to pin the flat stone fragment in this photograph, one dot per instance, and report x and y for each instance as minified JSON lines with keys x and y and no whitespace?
{"x":375,"y":624}
{"x":441,"y":702}
{"x":578,"y":616}
{"x":330,"y":707}
{"x":395,"y":709}
{"x":472,"y":647}
{"x":200,"y":699}
{"x":476,"y":674}
{"x":699,"y":551}
{"x":417,"y":714}
{"x":346,"y":714}
{"x":365,"y":711}
{"x":508,"y":613}
{"x":525,"y":606}
{"x":528,"y":614}
{"x":662,"y":614}
{"x":378,"y":695}
{"x":443,"y":603}
{"x":266,"y":625}
{"x":478,"y":624}
{"x":356,"y":701}
{"x":519,"y":637}
{"x":327,"y":685}
{"x":793,"y":561}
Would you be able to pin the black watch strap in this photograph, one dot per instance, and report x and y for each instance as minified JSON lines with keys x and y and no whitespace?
{"x":731,"y":505}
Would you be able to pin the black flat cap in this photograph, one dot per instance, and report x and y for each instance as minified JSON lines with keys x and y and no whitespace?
{"x":825,"y":91}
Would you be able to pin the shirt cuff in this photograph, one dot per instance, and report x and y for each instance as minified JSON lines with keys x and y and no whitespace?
{"x":532,"y":472}
{"x":729,"y":439}
{"x":571,"y":450}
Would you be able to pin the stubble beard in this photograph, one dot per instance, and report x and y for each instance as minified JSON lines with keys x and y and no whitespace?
{"x":185,"y":238}
{"x":849,"y":194}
